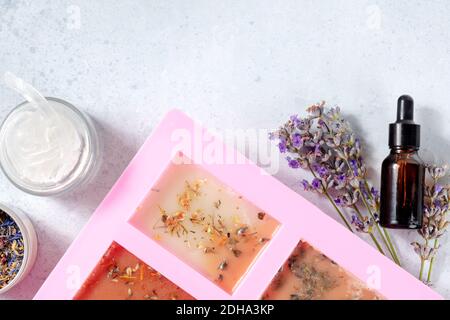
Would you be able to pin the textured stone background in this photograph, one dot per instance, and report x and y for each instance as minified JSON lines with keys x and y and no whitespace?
{"x":229,"y":64}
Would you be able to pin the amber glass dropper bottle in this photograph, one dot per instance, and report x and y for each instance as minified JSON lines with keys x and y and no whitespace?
{"x":402,"y":172}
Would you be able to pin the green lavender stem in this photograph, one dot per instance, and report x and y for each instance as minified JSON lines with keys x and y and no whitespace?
{"x":338,"y":211}
{"x":374,"y":239}
{"x":386,"y":237}
{"x":387,"y":242}
{"x":430,"y":268}
{"x":394,"y":252}
{"x":331,"y":200}
{"x":422,"y":264}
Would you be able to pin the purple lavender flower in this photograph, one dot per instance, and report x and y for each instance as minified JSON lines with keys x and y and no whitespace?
{"x":317,"y":150}
{"x":282,"y":145}
{"x":437,"y":188}
{"x":295,"y":120}
{"x":349,"y":198}
{"x":354,"y":166}
{"x":296,"y":139}
{"x":305,"y":184}
{"x":322,"y":123}
{"x":374,"y":192}
{"x":340,"y":180}
{"x":357,"y":222}
{"x":357,"y":144}
{"x":316,"y":184}
{"x":437,"y":205}
{"x":294,"y":164}
{"x":322,"y":171}
{"x":362,"y":225}
{"x":272,"y":135}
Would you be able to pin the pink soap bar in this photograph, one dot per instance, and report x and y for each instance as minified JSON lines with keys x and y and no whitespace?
{"x":308,"y":274}
{"x":122,"y":276}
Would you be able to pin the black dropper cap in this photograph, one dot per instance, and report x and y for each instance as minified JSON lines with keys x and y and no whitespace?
{"x":404,"y":132}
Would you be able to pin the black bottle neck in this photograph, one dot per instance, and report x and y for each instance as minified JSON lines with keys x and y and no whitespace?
{"x":397,"y":150}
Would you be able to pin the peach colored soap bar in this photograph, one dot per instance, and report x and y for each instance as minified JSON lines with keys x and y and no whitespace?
{"x":205,"y":223}
{"x":120,"y":276}
{"x":310,"y":275}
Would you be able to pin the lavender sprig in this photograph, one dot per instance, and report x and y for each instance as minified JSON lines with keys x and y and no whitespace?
{"x":435,"y":223}
{"x":324,"y":143}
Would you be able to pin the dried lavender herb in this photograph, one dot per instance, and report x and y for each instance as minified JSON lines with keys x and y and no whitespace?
{"x":11,"y":249}
{"x":435,"y":219}
{"x":314,"y":282}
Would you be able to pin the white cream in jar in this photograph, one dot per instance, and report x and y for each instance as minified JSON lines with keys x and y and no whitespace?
{"x":46,"y":151}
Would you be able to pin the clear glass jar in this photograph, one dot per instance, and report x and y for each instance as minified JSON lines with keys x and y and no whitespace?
{"x":82,"y":170}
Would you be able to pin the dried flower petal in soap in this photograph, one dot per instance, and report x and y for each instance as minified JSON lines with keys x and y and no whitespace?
{"x":205,"y":223}
{"x":310,"y":275}
{"x":120,"y":275}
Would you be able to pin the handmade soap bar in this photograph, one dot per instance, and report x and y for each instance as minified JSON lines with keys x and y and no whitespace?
{"x":205,"y":223}
{"x":120,"y":275}
{"x":310,"y":275}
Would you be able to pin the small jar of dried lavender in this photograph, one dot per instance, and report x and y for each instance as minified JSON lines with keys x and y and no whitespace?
{"x":18,"y":247}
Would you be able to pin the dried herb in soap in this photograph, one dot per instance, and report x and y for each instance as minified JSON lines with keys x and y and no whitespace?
{"x":120,"y":275}
{"x":310,"y":275}
{"x":218,"y":228}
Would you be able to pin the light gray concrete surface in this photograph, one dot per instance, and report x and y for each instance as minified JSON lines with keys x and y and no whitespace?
{"x":229,"y":64}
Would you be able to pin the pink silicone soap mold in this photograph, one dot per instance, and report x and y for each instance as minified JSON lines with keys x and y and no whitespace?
{"x":220,"y":229}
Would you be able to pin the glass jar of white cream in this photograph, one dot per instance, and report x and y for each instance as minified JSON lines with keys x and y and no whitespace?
{"x":47,"y":153}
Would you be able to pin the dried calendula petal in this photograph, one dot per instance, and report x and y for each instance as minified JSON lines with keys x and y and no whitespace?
{"x":196,"y":217}
{"x":185,"y":201}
